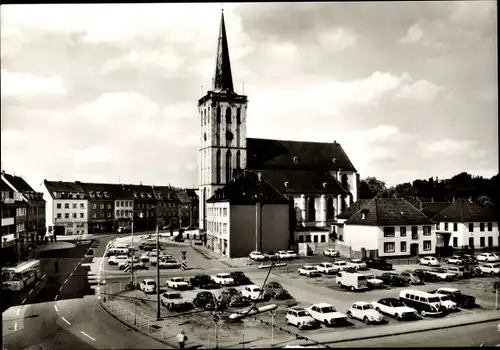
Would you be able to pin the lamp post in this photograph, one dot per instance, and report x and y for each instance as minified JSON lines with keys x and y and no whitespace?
{"x":157,"y":266}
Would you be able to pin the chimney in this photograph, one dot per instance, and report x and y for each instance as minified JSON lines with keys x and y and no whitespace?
{"x":470,"y":199}
{"x":259,"y":176}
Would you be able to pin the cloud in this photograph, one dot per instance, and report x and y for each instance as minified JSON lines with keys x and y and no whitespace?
{"x":95,"y":154}
{"x":413,"y":35}
{"x":451,"y":147}
{"x":167,"y":61}
{"x":421,"y":90}
{"x":26,"y":86}
{"x":338,"y":39}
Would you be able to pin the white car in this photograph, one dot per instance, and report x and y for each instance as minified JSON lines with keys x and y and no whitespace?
{"x":169,"y":264}
{"x":173,"y":301}
{"x":116,"y":259}
{"x":146,"y":257}
{"x":252,"y":292}
{"x":395,"y":308}
{"x":326,"y":268}
{"x":493,"y":268}
{"x":257,"y":256}
{"x":178,"y":283}
{"x":223,"y":279}
{"x":308,"y":271}
{"x":342,"y":265}
{"x":153,"y":260}
{"x":331,"y":252}
{"x":365,"y":312}
{"x":488,"y":257}
{"x":292,"y":254}
{"x":300,"y":318}
{"x":443,"y":274}
{"x":429,"y":261}
{"x":455,"y":259}
{"x":374,"y":282}
{"x":148,"y":286}
{"x":282,"y":255}
{"x":358,"y":264}
{"x":447,"y":302}
{"x":326,"y":314}
{"x":138,"y":265}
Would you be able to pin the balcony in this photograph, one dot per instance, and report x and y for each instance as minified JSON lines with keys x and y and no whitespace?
{"x":7,"y":221}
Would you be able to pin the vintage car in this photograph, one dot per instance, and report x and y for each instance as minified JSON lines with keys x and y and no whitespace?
{"x":203,"y":282}
{"x":276,"y":291}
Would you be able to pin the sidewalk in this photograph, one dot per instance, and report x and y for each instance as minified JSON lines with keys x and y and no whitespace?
{"x":54,"y":246}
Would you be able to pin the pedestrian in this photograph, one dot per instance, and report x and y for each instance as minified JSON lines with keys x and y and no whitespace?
{"x":181,"y":338}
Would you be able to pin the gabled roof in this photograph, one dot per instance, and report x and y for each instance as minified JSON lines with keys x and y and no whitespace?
{"x":18,"y":182}
{"x":165,"y":193}
{"x":388,"y":212}
{"x":431,"y":209}
{"x":302,"y":181}
{"x":464,"y":210}
{"x":282,"y":154}
{"x":4,"y":186}
{"x":98,"y":188}
{"x":62,"y":186}
{"x":248,"y":189}
{"x":119,"y":192}
{"x":191,"y":192}
{"x":348,"y":212}
{"x":182,"y":196}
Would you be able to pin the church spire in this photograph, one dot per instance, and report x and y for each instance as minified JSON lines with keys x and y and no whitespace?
{"x":223,"y":77}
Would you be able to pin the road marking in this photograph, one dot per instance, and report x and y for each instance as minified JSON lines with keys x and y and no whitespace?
{"x":37,"y":283}
{"x":60,"y":288}
{"x":65,"y":320}
{"x":66,"y":281}
{"x":18,"y":311}
{"x":57,"y":296}
{"x":15,"y":326}
{"x":44,"y":276}
{"x":31,"y":291}
{"x":24,"y":300}
{"x":55,"y":307}
{"x":88,"y":336}
{"x":75,"y":268}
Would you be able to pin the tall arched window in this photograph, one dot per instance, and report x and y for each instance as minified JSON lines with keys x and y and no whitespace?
{"x":229,"y":166}
{"x":238,"y":160}
{"x":330,"y":213}
{"x":203,"y":202}
{"x":217,"y":167}
{"x":311,"y":209}
{"x":218,"y":114}
{"x":228,"y":115}
{"x":238,"y":116}
{"x":344,"y":182}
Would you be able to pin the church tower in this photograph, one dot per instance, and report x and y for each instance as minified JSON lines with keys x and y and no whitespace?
{"x":223,"y":128}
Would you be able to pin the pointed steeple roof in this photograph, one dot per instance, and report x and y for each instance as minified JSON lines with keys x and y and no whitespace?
{"x":223,"y":78}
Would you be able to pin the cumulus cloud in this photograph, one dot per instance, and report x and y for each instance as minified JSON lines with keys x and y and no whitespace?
{"x":165,"y":60}
{"x":95,"y":154}
{"x":421,"y":90}
{"x":338,"y":39}
{"x":26,"y":86}
{"x":451,"y":147}
{"x":413,"y":35}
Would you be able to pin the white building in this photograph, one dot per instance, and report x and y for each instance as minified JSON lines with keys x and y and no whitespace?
{"x":248,"y":214}
{"x":67,"y":208}
{"x":387,"y":227}
{"x":467,"y":223}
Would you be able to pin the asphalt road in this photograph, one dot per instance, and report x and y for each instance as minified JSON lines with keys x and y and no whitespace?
{"x":472,"y":335}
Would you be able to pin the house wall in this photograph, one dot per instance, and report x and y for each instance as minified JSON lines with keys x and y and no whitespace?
{"x":73,"y":225}
{"x":218,"y":227}
{"x":460,"y":237}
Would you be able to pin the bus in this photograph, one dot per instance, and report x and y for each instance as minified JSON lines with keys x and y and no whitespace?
{"x":21,"y":275}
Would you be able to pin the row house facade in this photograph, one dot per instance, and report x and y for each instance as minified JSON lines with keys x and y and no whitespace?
{"x":123,"y":208}
{"x":145,"y":210}
{"x":168,"y":207}
{"x":100,"y":210}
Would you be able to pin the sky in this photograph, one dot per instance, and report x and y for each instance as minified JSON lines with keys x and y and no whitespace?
{"x":108,"y":93}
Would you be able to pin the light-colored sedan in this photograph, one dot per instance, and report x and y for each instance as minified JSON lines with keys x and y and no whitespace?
{"x":308,"y":271}
{"x":365,"y":312}
{"x":326,"y":314}
{"x":292,"y":254}
{"x":491,"y":268}
{"x":300,"y":318}
{"x":326,"y":268}
{"x":429,"y":261}
{"x":331,"y":252}
{"x":488,"y":257}
{"x":257,"y":256}
{"x":395,"y":308}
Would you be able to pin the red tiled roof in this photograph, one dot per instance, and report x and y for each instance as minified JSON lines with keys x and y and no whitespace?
{"x":346,"y":214}
{"x":463,"y":210}
{"x":388,"y":212}
{"x":433,"y":208}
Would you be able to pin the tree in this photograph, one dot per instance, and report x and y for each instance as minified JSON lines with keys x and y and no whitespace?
{"x":370,"y":187}
{"x":405,"y":190}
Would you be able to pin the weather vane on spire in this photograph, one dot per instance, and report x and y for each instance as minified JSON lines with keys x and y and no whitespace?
{"x":222,"y":8}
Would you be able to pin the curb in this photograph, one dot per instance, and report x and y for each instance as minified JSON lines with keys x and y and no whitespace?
{"x":469,"y":323}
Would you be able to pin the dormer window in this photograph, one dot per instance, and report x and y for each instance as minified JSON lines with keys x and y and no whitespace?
{"x":334,"y":160}
{"x":363,"y":214}
{"x":287,"y":184}
{"x":295,"y":160}
{"x":324,"y":184}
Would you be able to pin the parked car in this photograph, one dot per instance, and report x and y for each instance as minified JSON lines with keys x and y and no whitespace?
{"x":393,"y":279}
{"x":257,"y":256}
{"x":426,"y":276}
{"x":379,"y":264}
{"x":457,"y":270}
{"x":223,"y":279}
{"x":490,"y":268}
{"x":203,"y":282}
{"x":353,"y":281}
{"x":488,"y":257}
{"x":300,"y":318}
{"x":343,"y":265}
{"x":474,"y":271}
{"x":153,"y":260}
{"x":232,"y":297}
{"x":359,"y":264}
{"x":373,"y":282}
{"x":168,"y":263}
{"x":283,"y":255}
{"x":116,"y":259}
{"x":456,"y":259}
{"x":425,"y":303}
{"x":443,"y":274}
{"x":308,"y":271}
{"x":139,"y":265}
{"x":411,"y":278}
{"x":178,"y":283}
{"x":365,"y":312}
{"x":271,"y":255}
{"x":240,"y":279}
{"x":462,"y":300}
{"x":326,"y":268}
{"x":446,"y":301}
{"x":326,"y":314}
{"x":292,"y":254}
{"x":395,"y":308}
{"x":148,"y":285}
{"x":429,"y":261}
{"x":275,"y":290}
{"x":174,"y":301}
{"x":331,"y":252}
{"x":205,"y":300}
{"x":469,"y":259}
{"x":253,"y":292}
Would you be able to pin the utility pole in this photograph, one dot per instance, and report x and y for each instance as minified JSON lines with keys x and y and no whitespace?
{"x":157,"y":266}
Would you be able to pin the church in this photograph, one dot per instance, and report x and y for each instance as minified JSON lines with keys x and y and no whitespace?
{"x":263,"y":194}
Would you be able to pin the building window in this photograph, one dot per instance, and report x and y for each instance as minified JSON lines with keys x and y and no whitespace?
{"x":471,"y":227}
{"x":427,"y":230}
{"x":437,"y":226}
{"x":403,"y":247}
{"x":308,"y":239}
{"x":66,"y":215}
{"x":58,"y":215}
{"x":414,"y":232}
{"x":301,"y":239}
{"x":481,"y":242}
{"x":455,"y":227}
{"x":389,"y":232}
{"x":455,"y":242}
{"x":481,"y":227}
{"x":94,"y":215}
{"x":490,"y":226}
{"x":389,"y":247}
{"x":74,"y":205}
{"x":101,"y":214}
{"x":82,"y":206}
{"x":109,"y":214}
{"x":102,"y":206}
{"x":66,"y":206}
{"x":225,"y":211}
{"x":402,"y":231}
{"x":109,"y":205}
{"x":323,"y":238}
{"x":94,"y":206}
{"x":315,"y":239}
{"x":427,"y":246}
{"x":490,"y":241}
{"x":81,"y":215}
{"x":446,"y":226}
{"x":58,"y":205}
{"x":74,"y":215}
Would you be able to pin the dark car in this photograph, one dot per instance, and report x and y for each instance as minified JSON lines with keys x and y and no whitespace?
{"x":379,"y":264}
{"x":203,"y":282}
{"x":462,"y":300}
{"x":425,"y":276}
{"x":204,"y":300}
{"x":226,"y":295}
{"x":411,"y":277}
{"x":469,"y":259}
{"x":240,"y":279}
{"x":473,"y":271}
{"x":276,"y":291}
{"x":393,"y":279}
{"x":271,"y":255}
{"x":238,"y":300}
